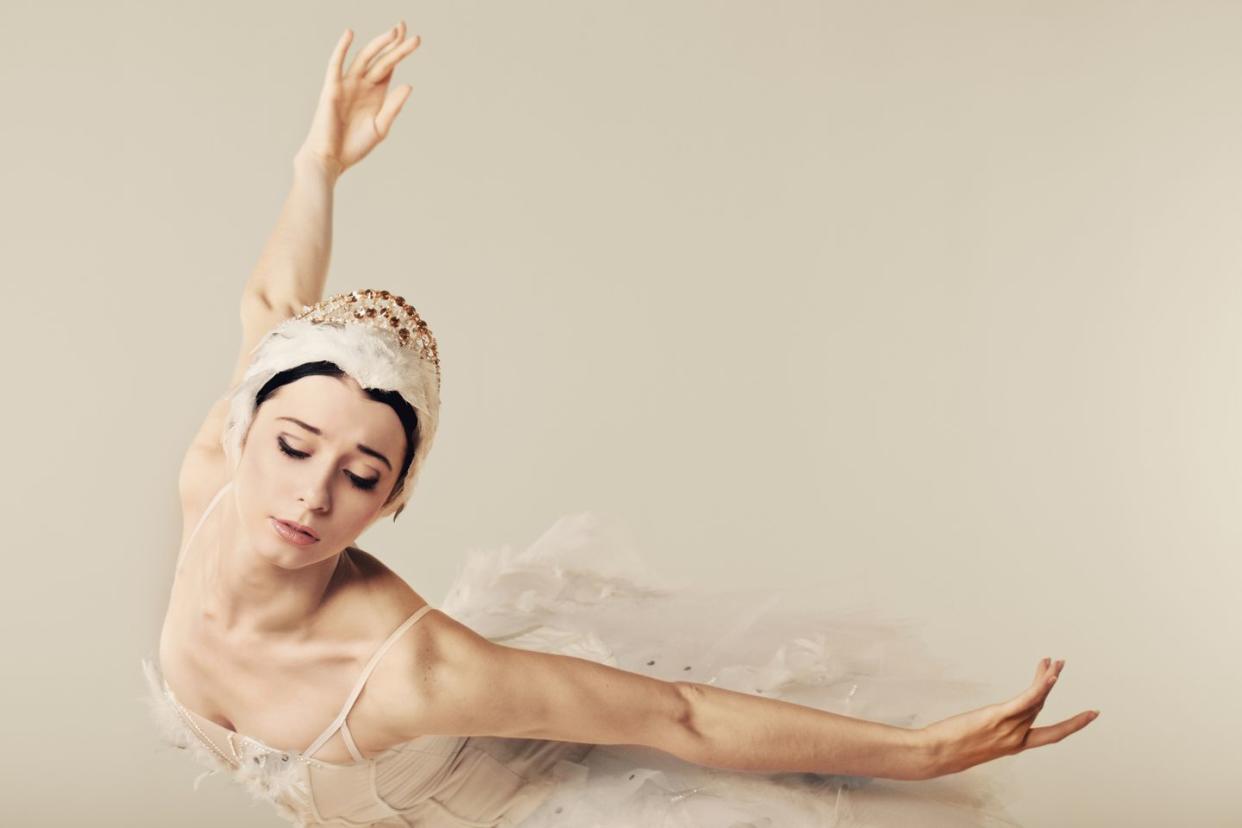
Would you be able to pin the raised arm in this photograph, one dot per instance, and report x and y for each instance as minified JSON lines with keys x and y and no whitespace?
{"x":293,"y":265}
{"x":291,"y":270}
{"x":354,"y":113}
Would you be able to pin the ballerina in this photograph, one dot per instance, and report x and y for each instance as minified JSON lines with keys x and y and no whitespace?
{"x":304,"y":668}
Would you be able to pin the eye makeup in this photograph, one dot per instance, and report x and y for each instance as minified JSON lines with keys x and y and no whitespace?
{"x":361,"y":483}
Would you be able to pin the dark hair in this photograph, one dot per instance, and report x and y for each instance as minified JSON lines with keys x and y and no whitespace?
{"x":406,"y":412}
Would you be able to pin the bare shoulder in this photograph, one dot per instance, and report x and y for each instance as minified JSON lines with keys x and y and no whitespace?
{"x":205,"y":449}
{"x":446,"y":679}
{"x":399,"y":692}
{"x":384,"y":600}
{"x":203,"y":473}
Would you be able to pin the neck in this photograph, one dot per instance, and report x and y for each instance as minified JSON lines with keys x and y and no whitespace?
{"x":248,"y":595}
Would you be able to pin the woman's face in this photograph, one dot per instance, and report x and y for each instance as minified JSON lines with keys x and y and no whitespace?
{"x":335,"y":481}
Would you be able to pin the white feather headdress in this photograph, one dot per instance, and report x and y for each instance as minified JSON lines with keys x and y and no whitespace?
{"x":373,"y":336}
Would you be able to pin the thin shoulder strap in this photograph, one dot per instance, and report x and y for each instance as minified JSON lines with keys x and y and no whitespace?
{"x":339,"y":721}
{"x":211,"y":505}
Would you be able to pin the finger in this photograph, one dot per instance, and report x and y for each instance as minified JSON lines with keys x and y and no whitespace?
{"x":338,"y":57}
{"x":1041,"y":667}
{"x":359,"y":64}
{"x":383,"y":66}
{"x":393,"y":102}
{"x":1033,"y":695}
{"x":389,"y":46}
{"x":1040,"y":736}
{"x":1029,"y":715}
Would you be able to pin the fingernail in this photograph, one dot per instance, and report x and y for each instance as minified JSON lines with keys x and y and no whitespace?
{"x":1095,"y":714}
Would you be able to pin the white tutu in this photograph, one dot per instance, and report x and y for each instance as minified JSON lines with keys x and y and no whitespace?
{"x":581,"y":589}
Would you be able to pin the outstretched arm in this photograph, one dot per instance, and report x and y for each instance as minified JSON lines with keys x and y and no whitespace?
{"x":737,"y":730}
{"x":466,"y":685}
{"x":746,"y":732}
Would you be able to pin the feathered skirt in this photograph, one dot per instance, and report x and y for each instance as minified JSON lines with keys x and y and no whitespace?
{"x":582,"y":589}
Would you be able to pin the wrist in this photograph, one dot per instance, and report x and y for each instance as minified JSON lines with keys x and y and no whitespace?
{"x":929,"y":752}
{"x":313,"y":165}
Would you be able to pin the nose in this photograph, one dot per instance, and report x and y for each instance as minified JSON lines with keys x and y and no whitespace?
{"x":316,"y":499}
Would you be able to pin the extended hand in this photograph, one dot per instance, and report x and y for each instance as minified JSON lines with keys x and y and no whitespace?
{"x":1001,"y":729}
{"x":356,"y":108}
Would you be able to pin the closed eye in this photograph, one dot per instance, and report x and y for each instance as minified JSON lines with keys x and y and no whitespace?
{"x":289,"y":451}
{"x":359,"y":482}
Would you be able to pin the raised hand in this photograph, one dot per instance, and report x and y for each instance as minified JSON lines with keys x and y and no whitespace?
{"x":356,"y":108}
{"x":969,"y":739}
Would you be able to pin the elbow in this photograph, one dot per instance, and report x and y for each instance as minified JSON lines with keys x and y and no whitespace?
{"x":690,"y":696}
{"x":687,"y":738}
{"x":264,"y":298}
{"x":254,"y":304}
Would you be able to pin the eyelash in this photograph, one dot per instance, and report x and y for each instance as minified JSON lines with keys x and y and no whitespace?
{"x":364,"y":485}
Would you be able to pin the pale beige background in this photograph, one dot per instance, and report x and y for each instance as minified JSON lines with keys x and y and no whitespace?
{"x":932,"y":304}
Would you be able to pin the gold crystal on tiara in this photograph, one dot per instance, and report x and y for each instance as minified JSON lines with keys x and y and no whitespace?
{"x":380,"y":310}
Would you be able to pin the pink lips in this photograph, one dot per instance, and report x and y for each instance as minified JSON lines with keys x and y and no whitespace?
{"x":294,"y":532}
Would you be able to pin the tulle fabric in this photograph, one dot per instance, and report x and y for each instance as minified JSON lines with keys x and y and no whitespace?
{"x":583,"y":589}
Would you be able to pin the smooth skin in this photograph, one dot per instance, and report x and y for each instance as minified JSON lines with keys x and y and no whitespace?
{"x":1003,"y":729}
{"x":452,"y":681}
{"x":356,"y":107}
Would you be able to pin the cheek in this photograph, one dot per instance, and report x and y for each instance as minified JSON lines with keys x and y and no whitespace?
{"x":264,"y":464}
{"x":260,"y":479}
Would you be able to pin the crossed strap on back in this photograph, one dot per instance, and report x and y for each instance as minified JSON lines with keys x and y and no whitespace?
{"x":339,"y":721}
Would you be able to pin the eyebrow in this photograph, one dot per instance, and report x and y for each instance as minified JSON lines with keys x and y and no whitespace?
{"x":361,"y":447}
